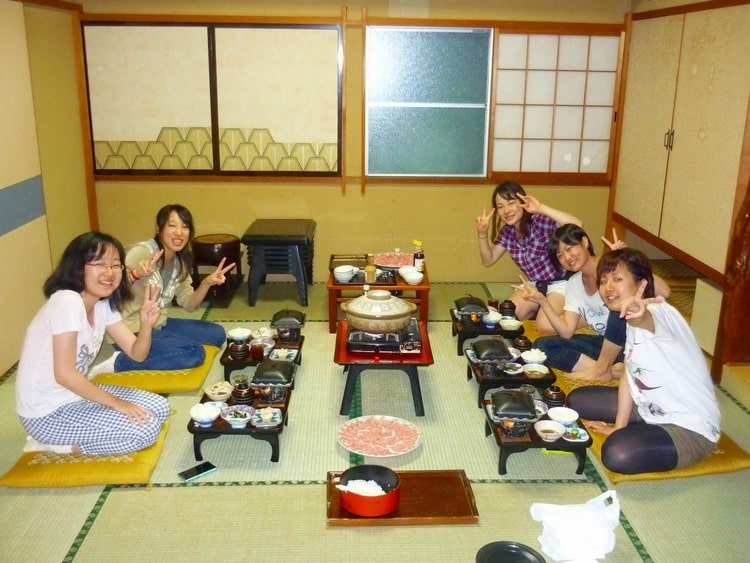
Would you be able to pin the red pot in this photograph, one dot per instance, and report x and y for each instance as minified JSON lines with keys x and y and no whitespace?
{"x":367,"y":505}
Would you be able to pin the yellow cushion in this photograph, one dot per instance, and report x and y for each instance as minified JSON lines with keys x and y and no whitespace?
{"x":46,"y":469}
{"x":727,"y":457}
{"x":163,"y":381}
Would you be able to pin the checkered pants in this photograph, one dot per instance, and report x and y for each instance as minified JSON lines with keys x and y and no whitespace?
{"x":100,"y":430}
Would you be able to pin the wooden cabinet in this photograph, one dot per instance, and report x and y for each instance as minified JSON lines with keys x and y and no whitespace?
{"x":684,"y":115}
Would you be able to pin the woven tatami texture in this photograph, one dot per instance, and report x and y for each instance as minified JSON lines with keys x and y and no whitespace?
{"x":252,"y":508}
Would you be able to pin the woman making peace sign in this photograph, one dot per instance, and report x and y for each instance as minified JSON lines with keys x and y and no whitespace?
{"x":165,"y":262}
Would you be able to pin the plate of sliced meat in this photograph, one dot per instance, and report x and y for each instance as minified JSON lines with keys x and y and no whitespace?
{"x":393,"y":260}
{"x":379,"y":436}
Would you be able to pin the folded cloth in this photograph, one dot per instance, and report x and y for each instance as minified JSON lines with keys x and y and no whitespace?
{"x":561,"y":537}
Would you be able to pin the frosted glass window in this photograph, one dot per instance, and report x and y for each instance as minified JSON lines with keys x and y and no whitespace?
{"x":565,"y":156}
{"x":543,"y":51}
{"x":568,"y":123}
{"x":571,"y":87}
{"x":512,"y":51}
{"x":604,"y":51}
{"x":540,"y":87}
{"x":573,"y":53}
{"x":567,"y":98}
{"x":427,"y":101}
{"x":538,"y":122}
{"x":597,"y":123}
{"x":511,"y":85}
{"x":600,"y":89}
{"x":506,"y":155}
{"x":535,"y":157}
{"x":509,"y":122}
{"x":594,"y":156}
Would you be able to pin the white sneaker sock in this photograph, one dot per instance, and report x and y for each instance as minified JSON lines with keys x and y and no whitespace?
{"x":107,"y":366}
{"x":33,"y":445}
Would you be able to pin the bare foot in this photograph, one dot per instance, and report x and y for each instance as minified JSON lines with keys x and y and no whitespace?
{"x":593,"y":373}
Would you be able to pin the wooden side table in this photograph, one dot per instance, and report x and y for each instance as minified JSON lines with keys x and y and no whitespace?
{"x":487,"y":382}
{"x":280,"y":246}
{"x":356,"y":362}
{"x":335,"y":295}
{"x":466,"y":330}
{"x":221,"y":427}
{"x":510,"y":446}
{"x":230,"y":364}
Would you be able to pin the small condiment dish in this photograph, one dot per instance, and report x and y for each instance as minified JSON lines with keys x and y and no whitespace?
{"x":549,"y":430}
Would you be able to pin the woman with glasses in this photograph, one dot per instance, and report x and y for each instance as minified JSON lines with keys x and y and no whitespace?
{"x":165,"y":262}
{"x":60,"y":408}
{"x":522,"y":226}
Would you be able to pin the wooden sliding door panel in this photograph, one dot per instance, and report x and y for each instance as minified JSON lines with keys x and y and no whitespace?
{"x":647,"y":116}
{"x":709,"y":123}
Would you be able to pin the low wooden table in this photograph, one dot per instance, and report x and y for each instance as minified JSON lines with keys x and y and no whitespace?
{"x":510,"y":446}
{"x":487,"y":382}
{"x":356,"y":362}
{"x":230,"y":364}
{"x":427,"y":497}
{"x":336,"y":289}
{"x":221,"y":427}
{"x":466,"y":330}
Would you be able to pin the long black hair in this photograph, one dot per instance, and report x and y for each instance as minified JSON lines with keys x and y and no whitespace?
{"x":635,"y":261}
{"x":509,"y":191}
{"x":70,"y":272}
{"x":184,"y":256}
{"x":569,"y":233}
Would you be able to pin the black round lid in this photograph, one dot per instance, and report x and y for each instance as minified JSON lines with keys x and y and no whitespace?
{"x":508,"y":552}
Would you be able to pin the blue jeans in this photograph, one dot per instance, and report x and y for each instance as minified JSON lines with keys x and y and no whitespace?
{"x":176,"y":345}
{"x":564,"y":354}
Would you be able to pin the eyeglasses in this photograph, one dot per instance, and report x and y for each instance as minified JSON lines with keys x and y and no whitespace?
{"x":102,"y":267}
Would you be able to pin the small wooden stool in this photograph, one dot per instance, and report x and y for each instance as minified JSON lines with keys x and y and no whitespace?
{"x":208,"y":250}
{"x":279,"y":246}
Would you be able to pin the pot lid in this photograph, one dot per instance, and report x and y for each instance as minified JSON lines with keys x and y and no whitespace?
{"x":378,"y":304}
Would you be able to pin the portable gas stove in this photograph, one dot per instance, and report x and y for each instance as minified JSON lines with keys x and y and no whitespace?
{"x":403,"y":341}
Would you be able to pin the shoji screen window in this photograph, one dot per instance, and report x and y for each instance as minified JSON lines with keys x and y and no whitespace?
{"x":554,"y":101}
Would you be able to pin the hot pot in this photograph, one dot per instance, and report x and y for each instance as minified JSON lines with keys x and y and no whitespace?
{"x":369,"y":505}
{"x":378,"y":311}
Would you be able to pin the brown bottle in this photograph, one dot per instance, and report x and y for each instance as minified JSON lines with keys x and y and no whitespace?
{"x":370,"y":269}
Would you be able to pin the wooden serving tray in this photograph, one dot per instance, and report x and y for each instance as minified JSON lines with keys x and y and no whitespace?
{"x":427,"y":497}
{"x":358,"y":260}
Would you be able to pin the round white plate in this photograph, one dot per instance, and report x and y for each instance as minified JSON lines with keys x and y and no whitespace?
{"x":379,"y":436}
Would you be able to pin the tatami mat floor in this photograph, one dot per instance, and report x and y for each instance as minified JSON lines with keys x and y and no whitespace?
{"x":255,"y":509}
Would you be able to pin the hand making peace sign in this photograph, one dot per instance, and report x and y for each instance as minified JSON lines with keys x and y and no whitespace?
{"x":483,"y":221}
{"x":148,"y":266}
{"x":635,"y":306}
{"x":217,"y":277}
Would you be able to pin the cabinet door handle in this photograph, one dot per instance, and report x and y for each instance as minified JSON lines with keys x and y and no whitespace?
{"x":666,"y":139}
{"x":671,"y":139}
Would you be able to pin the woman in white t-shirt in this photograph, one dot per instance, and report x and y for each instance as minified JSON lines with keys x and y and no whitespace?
{"x":664,"y":414}
{"x":61,"y":410}
{"x":584,"y":356}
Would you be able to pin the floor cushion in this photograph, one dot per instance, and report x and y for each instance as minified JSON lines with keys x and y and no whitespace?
{"x":46,"y":469}
{"x":727,"y":456}
{"x":163,"y":381}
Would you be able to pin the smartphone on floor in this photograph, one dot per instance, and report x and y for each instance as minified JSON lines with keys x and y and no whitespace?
{"x":198,"y":471}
